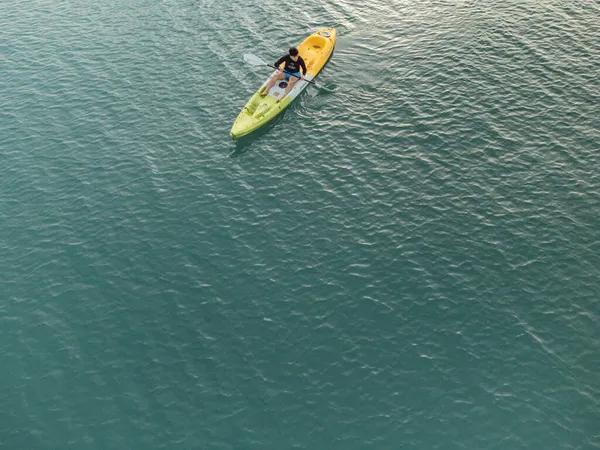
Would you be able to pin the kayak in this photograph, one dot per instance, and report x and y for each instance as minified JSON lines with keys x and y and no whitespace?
{"x":315,"y":50}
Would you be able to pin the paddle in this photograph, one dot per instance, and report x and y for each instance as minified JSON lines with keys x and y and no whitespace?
{"x":256,"y":61}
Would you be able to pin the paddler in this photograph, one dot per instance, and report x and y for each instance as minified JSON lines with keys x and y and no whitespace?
{"x":291,"y":72}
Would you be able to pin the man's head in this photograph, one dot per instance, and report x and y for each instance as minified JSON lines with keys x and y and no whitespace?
{"x":294,"y":53}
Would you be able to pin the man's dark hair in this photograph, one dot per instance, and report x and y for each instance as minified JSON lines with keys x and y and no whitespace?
{"x":293,"y":51}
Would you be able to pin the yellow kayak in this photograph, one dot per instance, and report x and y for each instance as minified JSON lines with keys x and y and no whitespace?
{"x":315,"y":50}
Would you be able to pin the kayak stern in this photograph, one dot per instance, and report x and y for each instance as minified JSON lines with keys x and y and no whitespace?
{"x":257,"y":112}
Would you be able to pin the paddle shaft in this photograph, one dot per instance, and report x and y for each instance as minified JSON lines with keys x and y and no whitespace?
{"x":277,"y":68}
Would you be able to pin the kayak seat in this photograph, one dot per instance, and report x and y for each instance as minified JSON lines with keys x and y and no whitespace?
{"x":312,"y":50}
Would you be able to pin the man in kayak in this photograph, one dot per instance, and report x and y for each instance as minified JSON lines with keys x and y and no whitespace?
{"x":291,"y":72}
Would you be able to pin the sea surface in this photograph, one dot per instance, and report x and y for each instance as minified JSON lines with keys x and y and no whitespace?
{"x":407,"y":258}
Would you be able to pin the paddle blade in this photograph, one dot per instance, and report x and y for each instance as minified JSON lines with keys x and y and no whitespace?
{"x":254,"y":60}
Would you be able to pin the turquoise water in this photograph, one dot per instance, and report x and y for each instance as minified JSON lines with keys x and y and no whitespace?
{"x":408,"y":258}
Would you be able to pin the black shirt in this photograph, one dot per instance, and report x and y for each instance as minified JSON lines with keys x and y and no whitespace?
{"x":292,"y":66}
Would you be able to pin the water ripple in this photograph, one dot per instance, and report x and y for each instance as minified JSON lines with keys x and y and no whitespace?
{"x":406,"y":258}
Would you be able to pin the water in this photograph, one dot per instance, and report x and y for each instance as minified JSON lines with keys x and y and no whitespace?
{"x":406,"y":259}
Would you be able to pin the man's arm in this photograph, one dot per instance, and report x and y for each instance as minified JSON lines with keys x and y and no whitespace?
{"x":303,"y":66}
{"x":279,"y":61}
